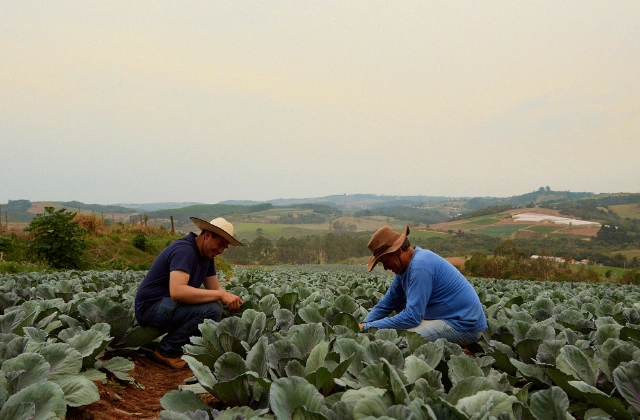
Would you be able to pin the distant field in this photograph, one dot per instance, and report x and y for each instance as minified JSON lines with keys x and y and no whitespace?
{"x":631,"y":211}
{"x":616,"y":272}
{"x":502,"y":231}
{"x":424,"y":234}
{"x":545,"y":229}
{"x":630,"y":253}
{"x":274,"y":232}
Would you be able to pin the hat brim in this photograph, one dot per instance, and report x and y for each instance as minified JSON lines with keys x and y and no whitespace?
{"x":375,"y":259}
{"x":204,"y":225}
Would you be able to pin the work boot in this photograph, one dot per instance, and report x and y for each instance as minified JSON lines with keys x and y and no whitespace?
{"x":172,"y":362}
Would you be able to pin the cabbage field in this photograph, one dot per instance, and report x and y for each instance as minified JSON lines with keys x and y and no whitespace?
{"x":294,"y":350}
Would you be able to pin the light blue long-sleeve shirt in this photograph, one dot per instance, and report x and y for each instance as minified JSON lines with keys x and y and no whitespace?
{"x":432,"y":288}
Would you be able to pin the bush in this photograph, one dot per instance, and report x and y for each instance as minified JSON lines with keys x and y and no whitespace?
{"x":57,"y":239}
{"x":6,"y":244}
{"x":141,"y":242}
{"x":631,"y":277}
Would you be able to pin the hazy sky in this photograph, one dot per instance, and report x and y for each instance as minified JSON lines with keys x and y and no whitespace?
{"x":130,"y":101}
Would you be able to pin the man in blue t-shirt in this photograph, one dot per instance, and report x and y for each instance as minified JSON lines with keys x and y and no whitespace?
{"x":171,"y":297}
{"x":431,"y":296}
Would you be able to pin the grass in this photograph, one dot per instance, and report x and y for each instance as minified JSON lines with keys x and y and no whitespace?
{"x":483,"y":222}
{"x":274,"y":232}
{"x":424,"y":234}
{"x":630,"y":253}
{"x":504,"y":231}
{"x":631,"y":211}
{"x":545,"y":229}
{"x":616,"y":272}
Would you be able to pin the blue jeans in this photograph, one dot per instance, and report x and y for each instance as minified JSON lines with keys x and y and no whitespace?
{"x":180,"y":321}
{"x":434,"y":329}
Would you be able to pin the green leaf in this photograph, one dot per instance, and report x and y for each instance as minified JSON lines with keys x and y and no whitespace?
{"x":63,"y":360}
{"x":316,"y":357}
{"x":573,"y":361}
{"x":229,"y":366}
{"x":18,"y":411}
{"x":414,"y":367}
{"x":531,"y":372}
{"x":139,"y":336}
{"x":257,"y":328}
{"x":468,"y":387}
{"x":400,"y":394}
{"x":383,"y":349}
{"x":289,"y":300}
{"x":346,"y":320}
{"x":305,"y":337}
{"x":24,"y":370}
{"x":257,"y":357}
{"x":183,"y":401}
{"x":285,"y":319}
{"x":430,"y":353}
{"x":287,"y":394}
{"x":496,"y":402}
{"x":91,"y":343}
{"x":47,"y":397}
{"x":78,"y":390}
{"x":234,"y":392}
{"x":550,"y":404}
{"x":374,"y":376}
{"x":627,"y":380}
{"x":346,"y":348}
{"x":310,"y":315}
{"x":611,"y":405}
{"x":461,"y":367}
{"x":202,"y":373}
{"x":119,"y":367}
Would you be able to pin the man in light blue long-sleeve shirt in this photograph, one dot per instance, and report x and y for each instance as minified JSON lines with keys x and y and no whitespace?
{"x":436,"y":300}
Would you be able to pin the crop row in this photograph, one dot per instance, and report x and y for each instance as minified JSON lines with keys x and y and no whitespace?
{"x":294,"y":350}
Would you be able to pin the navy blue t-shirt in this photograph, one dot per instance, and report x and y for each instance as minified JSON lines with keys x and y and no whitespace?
{"x":183,"y":255}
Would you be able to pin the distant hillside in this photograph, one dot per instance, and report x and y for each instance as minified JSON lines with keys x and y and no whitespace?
{"x":157,"y":206}
{"x":97,"y":208}
{"x":354,"y":202}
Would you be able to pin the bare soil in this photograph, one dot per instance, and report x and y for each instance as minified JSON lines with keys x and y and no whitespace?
{"x":124,"y":401}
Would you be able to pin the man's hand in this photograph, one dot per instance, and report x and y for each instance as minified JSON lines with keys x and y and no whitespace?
{"x":361,"y":325}
{"x":231,"y":300}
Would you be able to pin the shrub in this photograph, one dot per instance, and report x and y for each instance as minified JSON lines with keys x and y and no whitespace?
{"x":57,"y":239}
{"x":6,"y":244}
{"x":141,"y":242}
{"x":631,"y":277}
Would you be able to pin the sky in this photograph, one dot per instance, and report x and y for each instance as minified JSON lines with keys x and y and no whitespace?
{"x":200,"y":101}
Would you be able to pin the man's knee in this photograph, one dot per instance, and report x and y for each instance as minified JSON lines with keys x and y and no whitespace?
{"x":212,"y":310}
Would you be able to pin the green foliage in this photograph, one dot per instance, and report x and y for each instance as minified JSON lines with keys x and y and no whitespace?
{"x":141,"y":242}
{"x":631,"y":277}
{"x":6,"y":244}
{"x":57,"y":239}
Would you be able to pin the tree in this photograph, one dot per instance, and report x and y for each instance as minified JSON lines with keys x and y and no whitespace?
{"x":57,"y":239}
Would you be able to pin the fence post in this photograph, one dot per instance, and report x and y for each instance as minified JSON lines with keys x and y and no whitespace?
{"x":173,"y":231}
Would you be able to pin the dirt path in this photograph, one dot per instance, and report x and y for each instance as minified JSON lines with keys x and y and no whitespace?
{"x":124,"y":402}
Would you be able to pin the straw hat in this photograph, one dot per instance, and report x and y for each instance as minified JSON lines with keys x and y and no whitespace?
{"x":218,"y":226}
{"x":385,"y":241}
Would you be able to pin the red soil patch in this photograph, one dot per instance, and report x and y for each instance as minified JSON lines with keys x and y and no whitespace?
{"x":122,"y":401}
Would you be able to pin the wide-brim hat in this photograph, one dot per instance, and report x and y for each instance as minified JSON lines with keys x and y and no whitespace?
{"x":220,"y":227}
{"x":385,"y":241}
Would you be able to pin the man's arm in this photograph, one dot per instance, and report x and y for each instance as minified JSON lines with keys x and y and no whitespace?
{"x":180,"y":291}
{"x":418,"y":290}
{"x":212,"y":283}
{"x":389,"y":302}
